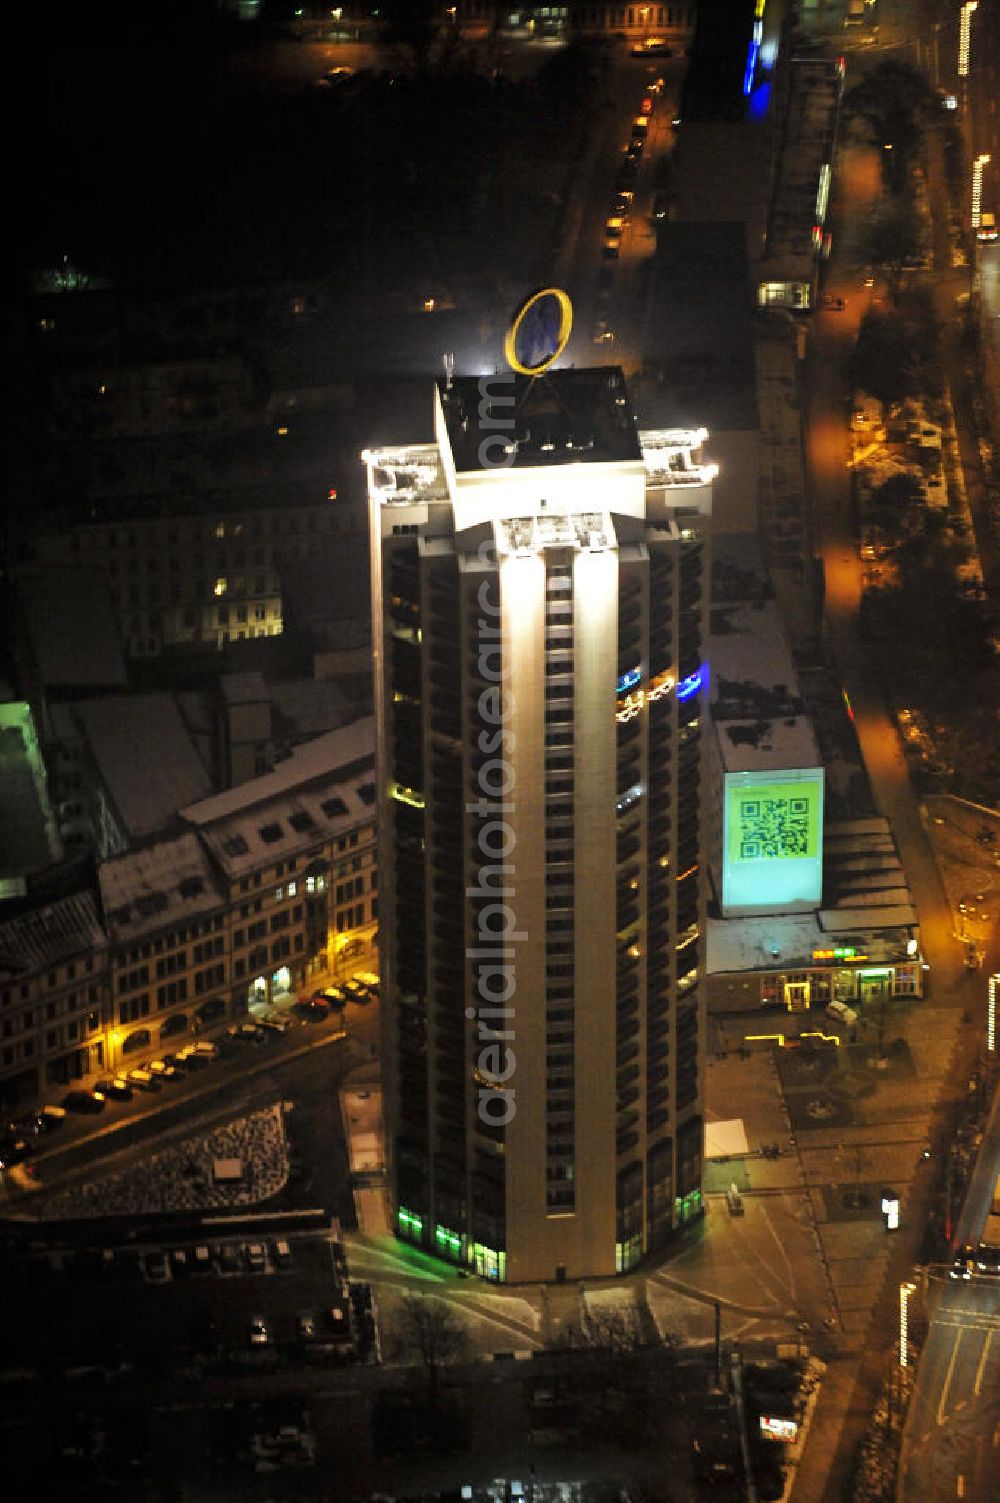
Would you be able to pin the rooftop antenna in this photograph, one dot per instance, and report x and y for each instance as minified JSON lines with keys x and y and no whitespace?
{"x":449,"y":370}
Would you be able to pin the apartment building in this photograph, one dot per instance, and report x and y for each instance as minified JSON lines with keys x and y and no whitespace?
{"x":540,"y":583}
{"x":252,"y":893}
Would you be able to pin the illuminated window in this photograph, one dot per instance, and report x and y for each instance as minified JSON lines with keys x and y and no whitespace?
{"x":221,"y":586}
{"x":220,"y":529}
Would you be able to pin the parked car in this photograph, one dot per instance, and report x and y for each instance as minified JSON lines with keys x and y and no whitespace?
{"x":333,"y":78}
{"x":47,"y":1120}
{"x":14,"y":1149}
{"x":143,"y":1080}
{"x":255,"y":1257}
{"x":306,"y":1326}
{"x":164,"y":1071}
{"x":314,"y":1007}
{"x":156,"y":1267}
{"x":229,"y":1258}
{"x":839,"y":1012}
{"x":651,"y":47}
{"x":116,"y":1089}
{"x":260,"y":1331}
{"x":190,"y":1058}
{"x":275,"y":1025}
{"x":200,"y":1259}
{"x":247,"y":1033}
{"x":282,"y":1253}
{"x":83,"y":1101}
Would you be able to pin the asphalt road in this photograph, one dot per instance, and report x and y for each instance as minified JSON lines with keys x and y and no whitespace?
{"x":309,"y":1062}
{"x":951,"y":1445}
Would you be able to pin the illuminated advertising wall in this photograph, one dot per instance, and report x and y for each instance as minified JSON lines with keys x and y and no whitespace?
{"x":772,"y":841}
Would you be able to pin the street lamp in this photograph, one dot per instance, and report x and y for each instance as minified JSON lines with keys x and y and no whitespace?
{"x":983,"y":160}
{"x":964,"y":34}
{"x":905,"y":1290}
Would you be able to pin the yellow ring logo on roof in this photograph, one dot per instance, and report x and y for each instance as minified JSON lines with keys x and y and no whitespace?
{"x":539,"y":332}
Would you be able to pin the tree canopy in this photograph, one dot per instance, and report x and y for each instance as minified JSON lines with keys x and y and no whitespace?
{"x":891,"y":102}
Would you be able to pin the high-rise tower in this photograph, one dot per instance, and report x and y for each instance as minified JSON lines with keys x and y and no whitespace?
{"x":540,"y":582}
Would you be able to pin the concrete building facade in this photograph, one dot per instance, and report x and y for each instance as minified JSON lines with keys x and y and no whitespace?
{"x":539,"y":589}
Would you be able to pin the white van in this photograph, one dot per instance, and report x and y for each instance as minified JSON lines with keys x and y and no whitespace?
{"x":839,"y":1012}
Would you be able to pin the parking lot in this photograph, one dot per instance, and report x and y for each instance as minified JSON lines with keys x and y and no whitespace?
{"x":270,"y":1299}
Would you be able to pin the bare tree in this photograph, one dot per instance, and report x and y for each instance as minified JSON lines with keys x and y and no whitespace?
{"x":431,"y":1332}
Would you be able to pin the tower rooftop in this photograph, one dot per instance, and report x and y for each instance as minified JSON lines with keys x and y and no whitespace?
{"x":565,"y":416}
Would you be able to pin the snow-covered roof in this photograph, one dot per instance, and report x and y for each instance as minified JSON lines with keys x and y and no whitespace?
{"x":156,"y":886}
{"x":787,"y":942}
{"x":325,"y":788}
{"x":57,"y":932}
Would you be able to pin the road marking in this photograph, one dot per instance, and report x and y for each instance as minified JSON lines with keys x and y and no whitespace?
{"x":948,"y":1377}
{"x":977,"y":1386}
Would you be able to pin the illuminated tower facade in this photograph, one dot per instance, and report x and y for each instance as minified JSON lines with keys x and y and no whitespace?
{"x":540,"y":589}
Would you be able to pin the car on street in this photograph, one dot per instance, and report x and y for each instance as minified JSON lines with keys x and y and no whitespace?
{"x":275,"y":1025}
{"x":260,"y":1331}
{"x":14,"y":1149}
{"x":839,"y":1012}
{"x":164,"y":1071}
{"x":229,"y":1258}
{"x":988,"y":1260}
{"x":247,"y":1033}
{"x":156,"y":1267}
{"x":83,"y":1101}
{"x":143,"y":1080}
{"x":190,"y":1057}
{"x":614,"y":226}
{"x":313,"y":1008}
{"x":116,"y":1089}
{"x":963,"y":1264}
{"x":651,"y":47}
{"x":602,"y":334}
{"x":256,"y":1259}
{"x":611,"y":250}
{"x":39,"y":1124}
{"x":306,"y":1327}
{"x":333,"y":78}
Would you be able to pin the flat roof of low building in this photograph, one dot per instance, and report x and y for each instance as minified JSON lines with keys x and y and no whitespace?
{"x":756,"y":705}
{"x":698,"y":336}
{"x":788,"y":942}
